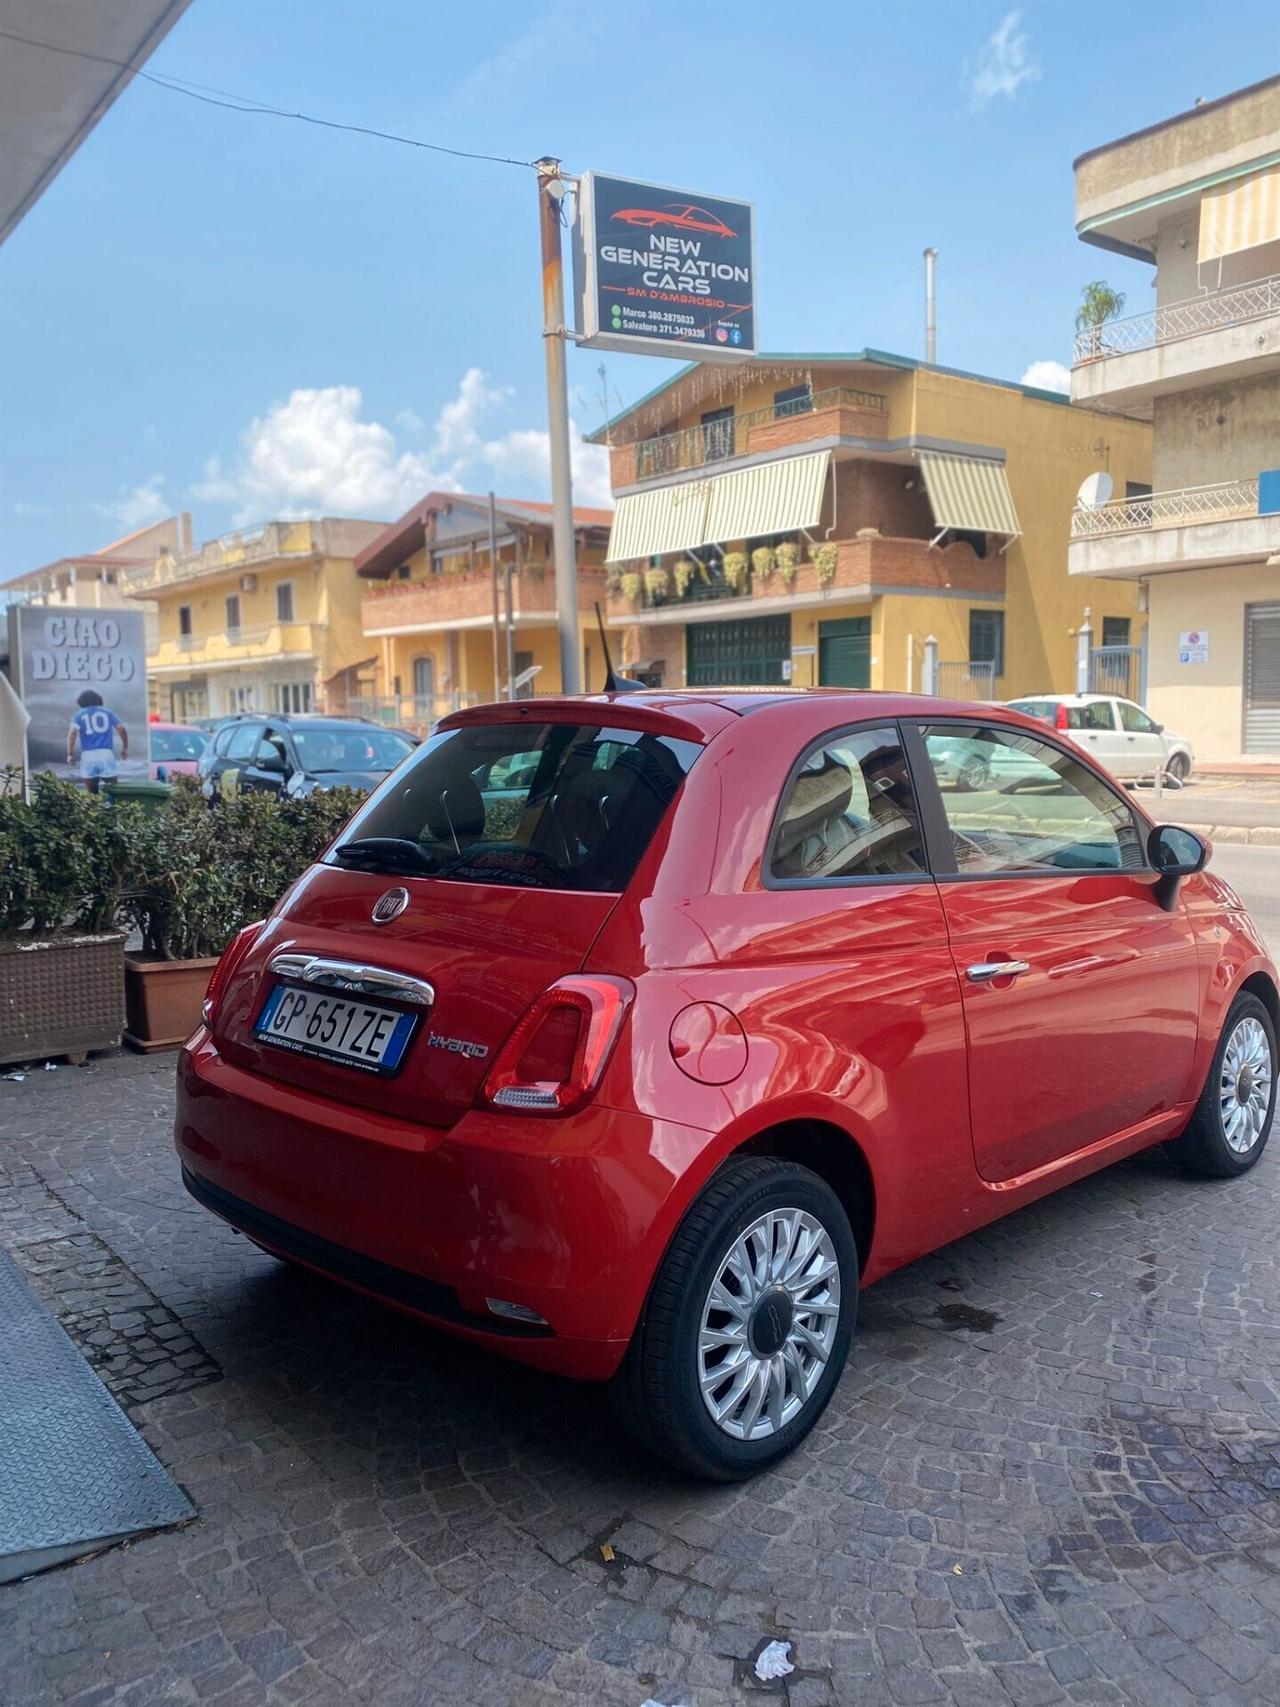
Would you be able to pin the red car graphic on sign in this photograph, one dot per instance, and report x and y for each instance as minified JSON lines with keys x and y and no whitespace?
{"x":680,"y":215}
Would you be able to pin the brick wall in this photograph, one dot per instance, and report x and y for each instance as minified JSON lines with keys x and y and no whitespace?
{"x":451,"y":598}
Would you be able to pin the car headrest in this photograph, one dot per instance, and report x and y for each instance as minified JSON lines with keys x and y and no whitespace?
{"x":455,"y":815}
{"x":818,"y":797}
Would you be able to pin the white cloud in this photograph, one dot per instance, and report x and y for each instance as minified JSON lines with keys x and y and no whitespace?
{"x":316,"y":454}
{"x":1003,"y":65}
{"x":1048,"y":376}
{"x":135,"y":506}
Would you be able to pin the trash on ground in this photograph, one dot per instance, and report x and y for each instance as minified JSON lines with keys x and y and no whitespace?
{"x":773,"y":1662}
{"x":607,"y":1554}
{"x":17,"y":1078}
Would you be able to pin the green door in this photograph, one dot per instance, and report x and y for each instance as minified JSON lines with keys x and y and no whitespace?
{"x":752,"y":653}
{"x":844,"y":653}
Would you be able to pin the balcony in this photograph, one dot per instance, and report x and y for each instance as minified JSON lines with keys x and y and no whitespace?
{"x":233,"y":553}
{"x":191,"y":653}
{"x":465,"y":600}
{"x":1194,"y":527}
{"x":862,"y":569}
{"x":839,"y":412}
{"x":1228,"y":334}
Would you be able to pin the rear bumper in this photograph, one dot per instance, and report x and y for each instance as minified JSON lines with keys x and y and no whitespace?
{"x":567,"y":1217}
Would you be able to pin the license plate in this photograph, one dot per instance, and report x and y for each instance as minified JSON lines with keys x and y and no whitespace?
{"x":359,"y":1034}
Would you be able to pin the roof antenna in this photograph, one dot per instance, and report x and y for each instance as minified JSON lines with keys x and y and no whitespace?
{"x":614,"y":683}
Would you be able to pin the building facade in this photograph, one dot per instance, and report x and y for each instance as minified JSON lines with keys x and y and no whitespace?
{"x":97,"y":581}
{"x":267,"y":619}
{"x":1198,"y":198}
{"x":428,"y":605}
{"x":846,"y":519}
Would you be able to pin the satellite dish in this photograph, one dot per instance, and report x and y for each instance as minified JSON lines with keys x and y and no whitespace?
{"x":1095,"y":490}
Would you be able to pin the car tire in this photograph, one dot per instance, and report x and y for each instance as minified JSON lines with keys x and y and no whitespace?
{"x":792,"y":1357}
{"x":1178,"y":767}
{"x":973,"y":775}
{"x":1228,"y":1131}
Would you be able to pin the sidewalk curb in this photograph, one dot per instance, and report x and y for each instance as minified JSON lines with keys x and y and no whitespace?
{"x":1256,"y":835}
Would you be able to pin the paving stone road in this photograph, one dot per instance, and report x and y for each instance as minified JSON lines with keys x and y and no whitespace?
{"x":1051,"y":1473}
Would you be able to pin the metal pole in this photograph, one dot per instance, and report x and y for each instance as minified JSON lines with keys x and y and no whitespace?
{"x":931,"y":305}
{"x":550,"y":194}
{"x":511,"y":622}
{"x":493,"y":577}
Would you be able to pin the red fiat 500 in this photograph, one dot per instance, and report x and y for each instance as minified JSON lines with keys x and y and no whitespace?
{"x":630,"y":1036}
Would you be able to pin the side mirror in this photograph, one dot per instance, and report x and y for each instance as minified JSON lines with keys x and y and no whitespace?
{"x":1174,"y":853}
{"x":1159,"y":728}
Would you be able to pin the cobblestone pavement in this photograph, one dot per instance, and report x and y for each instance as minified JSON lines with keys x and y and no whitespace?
{"x":1051,"y":1473}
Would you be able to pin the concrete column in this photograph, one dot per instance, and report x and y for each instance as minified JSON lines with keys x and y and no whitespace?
{"x":930,"y":683}
{"x":1084,"y":647}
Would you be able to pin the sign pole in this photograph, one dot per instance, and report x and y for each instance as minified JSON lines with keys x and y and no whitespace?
{"x":550,"y":195}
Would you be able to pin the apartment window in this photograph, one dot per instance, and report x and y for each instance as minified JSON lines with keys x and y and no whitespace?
{"x":284,"y":601}
{"x":293,"y":696}
{"x":184,"y":619}
{"x":794,"y":400}
{"x":233,"y":612}
{"x":717,"y":434}
{"x":986,"y":638}
{"x":1137,"y":489}
{"x":1115,"y":631}
{"x":403,"y":572}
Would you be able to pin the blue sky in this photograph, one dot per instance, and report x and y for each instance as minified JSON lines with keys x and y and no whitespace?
{"x":248,"y":317}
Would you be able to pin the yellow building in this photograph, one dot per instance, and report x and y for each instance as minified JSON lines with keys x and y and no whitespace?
{"x":822,"y":519}
{"x":427,"y":609}
{"x":267,"y":619}
{"x":1197,"y":197}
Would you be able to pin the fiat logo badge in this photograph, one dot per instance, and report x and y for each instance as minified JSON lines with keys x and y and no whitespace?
{"x":390,"y":906}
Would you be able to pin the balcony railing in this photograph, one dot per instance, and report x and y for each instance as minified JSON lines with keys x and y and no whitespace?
{"x":715,"y":441}
{"x":1227,"y":500}
{"x":267,"y":641}
{"x":1179,"y":320}
{"x":232,"y":553}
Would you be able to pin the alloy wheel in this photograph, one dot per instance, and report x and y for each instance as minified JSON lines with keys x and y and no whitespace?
{"x":769,"y":1323}
{"x":1244,"y":1085}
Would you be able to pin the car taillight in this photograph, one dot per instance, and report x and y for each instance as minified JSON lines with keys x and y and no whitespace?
{"x":230,"y":958}
{"x":1060,"y":718}
{"x":556,"y":1056}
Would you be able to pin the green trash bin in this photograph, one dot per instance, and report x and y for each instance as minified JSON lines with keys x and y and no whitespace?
{"x":151,"y":796}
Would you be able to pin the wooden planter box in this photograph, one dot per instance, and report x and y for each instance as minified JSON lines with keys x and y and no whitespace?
{"x":61,"y":995}
{"x":162,"y":1000}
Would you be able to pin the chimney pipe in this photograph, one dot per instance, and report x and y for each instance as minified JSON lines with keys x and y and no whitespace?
{"x":931,"y":305}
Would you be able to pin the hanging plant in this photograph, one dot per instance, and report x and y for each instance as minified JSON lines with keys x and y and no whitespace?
{"x":788,"y":560}
{"x":763,"y":560}
{"x":632,"y":586}
{"x":684,"y":574}
{"x":657,"y":582}
{"x":735,"y":569}
{"x":825,"y":559}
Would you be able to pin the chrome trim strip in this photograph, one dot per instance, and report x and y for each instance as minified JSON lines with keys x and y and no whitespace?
{"x":353,"y":975}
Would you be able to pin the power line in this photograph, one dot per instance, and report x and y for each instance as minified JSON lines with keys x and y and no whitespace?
{"x":212,"y":97}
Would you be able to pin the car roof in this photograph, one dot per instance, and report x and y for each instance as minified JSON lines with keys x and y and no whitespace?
{"x":704,"y":712}
{"x":1066,"y":698}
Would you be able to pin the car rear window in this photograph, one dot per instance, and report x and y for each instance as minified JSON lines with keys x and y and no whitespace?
{"x":527,"y":805}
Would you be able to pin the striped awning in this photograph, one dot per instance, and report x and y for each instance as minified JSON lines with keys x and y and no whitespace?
{"x":773,"y":497}
{"x":1240,"y":214}
{"x":667,"y":518}
{"x":969,"y":492}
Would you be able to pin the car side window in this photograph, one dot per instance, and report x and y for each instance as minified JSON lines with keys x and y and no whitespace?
{"x":272,"y":746}
{"x":244,"y":741}
{"x":1041,"y":810}
{"x":1135,"y":719}
{"x":1095,"y":715}
{"x":849,"y":812}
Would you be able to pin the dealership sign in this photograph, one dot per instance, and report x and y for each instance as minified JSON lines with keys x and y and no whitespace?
{"x":664,"y":272}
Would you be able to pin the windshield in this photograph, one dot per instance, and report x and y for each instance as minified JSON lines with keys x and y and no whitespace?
{"x":348,"y":747}
{"x":174,"y":745}
{"x":529,"y":805}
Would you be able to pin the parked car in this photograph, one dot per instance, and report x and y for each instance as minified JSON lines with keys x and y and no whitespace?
{"x":175,"y":748}
{"x":296,"y":754}
{"x":1131,"y":744}
{"x":738,"y":1014}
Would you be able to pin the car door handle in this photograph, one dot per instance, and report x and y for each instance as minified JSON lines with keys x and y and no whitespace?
{"x":983,"y":971}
